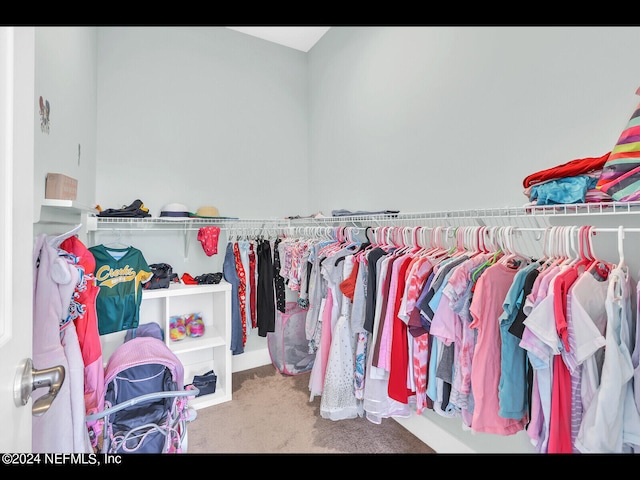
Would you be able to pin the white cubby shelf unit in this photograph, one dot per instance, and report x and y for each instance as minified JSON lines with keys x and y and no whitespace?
{"x":198,"y":355}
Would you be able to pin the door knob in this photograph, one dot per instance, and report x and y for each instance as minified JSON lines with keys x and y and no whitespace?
{"x":28,"y":379}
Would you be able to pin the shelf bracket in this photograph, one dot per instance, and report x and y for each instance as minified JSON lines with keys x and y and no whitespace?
{"x":185,"y":233}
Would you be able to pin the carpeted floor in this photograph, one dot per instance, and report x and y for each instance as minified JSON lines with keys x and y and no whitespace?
{"x":271,"y":413}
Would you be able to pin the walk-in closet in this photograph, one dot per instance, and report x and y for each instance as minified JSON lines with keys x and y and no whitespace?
{"x":419,"y":141}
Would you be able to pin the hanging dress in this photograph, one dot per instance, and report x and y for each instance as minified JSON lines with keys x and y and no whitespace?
{"x":265,"y":304}
{"x":338,"y":401}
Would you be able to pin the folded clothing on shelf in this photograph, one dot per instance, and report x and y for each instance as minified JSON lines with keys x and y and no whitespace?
{"x":135,"y":210}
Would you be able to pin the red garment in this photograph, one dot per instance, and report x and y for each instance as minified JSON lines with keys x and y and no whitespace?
{"x":560,"y":422}
{"x":242,"y":291}
{"x":187,"y":279}
{"x":561,"y":284}
{"x":398,"y":388}
{"x":208,"y":237}
{"x":348,"y":286}
{"x":85,"y":318}
{"x":570,"y":169}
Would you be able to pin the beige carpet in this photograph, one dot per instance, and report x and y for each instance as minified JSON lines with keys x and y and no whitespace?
{"x":271,"y":413}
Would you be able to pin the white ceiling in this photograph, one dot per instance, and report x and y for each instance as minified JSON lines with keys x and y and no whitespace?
{"x":300,"y":38}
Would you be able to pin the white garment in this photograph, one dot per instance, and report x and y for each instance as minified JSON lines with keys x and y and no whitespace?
{"x":604,"y":421}
{"x":338,"y":396}
{"x":317,"y":294}
{"x":587,"y":319}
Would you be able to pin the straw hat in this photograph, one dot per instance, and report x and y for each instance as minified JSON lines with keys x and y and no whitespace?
{"x":207,"y":212}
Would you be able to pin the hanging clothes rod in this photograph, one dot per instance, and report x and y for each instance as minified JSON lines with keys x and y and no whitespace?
{"x":530,"y":216}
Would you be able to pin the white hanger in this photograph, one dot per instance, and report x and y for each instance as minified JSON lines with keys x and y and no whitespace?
{"x":116,"y":243}
{"x":56,"y":241}
{"x":621,"y":263}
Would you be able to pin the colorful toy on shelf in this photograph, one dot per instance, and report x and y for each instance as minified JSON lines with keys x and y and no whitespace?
{"x":195,"y":325}
{"x":181,"y":326}
{"x":177,"y":328}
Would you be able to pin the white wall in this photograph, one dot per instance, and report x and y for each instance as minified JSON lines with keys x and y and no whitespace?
{"x":65,"y":75}
{"x":438,"y":118}
{"x":201,"y":116}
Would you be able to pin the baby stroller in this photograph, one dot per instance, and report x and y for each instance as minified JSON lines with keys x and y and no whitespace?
{"x":145,"y":408}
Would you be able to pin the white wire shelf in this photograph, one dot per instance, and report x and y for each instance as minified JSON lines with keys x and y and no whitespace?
{"x":186,"y":224}
{"x":534,"y":216}
{"x":525,"y":216}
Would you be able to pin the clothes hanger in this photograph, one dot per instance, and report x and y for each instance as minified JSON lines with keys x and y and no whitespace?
{"x":411,"y":239}
{"x":440,"y":251}
{"x":621,"y":261}
{"x":554,"y":256}
{"x":57,"y":240}
{"x":348,"y":243}
{"x":424,"y":238}
{"x":598,"y":268}
{"x":427,"y":242}
{"x":399,"y":241}
{"x":584,"y":257}
{"x":566,"y":251}
{"x":494,"y":234}
{"x":475,"y":240}
{"x":510,"y":255}
{"x":116,"y":244}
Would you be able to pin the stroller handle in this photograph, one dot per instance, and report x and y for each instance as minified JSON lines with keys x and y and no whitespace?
{"x":192,"y":392}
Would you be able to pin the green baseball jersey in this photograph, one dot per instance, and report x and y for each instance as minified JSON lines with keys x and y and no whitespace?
{"x":120,"y":273}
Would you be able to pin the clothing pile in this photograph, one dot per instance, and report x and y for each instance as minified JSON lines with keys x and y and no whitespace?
{"x":571,"y":182}
{"x":135,"y":210}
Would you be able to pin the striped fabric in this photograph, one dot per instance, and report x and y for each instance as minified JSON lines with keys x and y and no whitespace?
{"x":620,"y":176}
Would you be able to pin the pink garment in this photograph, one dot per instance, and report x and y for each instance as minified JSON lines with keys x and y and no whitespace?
{"x":453,"y":292}
{"x":486,"y":308}
{"x":540,"y":288}
{"x":444,"y":322}
{"x":316,"y":379}
{"x":420,"y":270}
{"x":208,"y":237}
{"x":420,"y":360}
{"x":382,"y":292}
{"x":396,"y":288}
